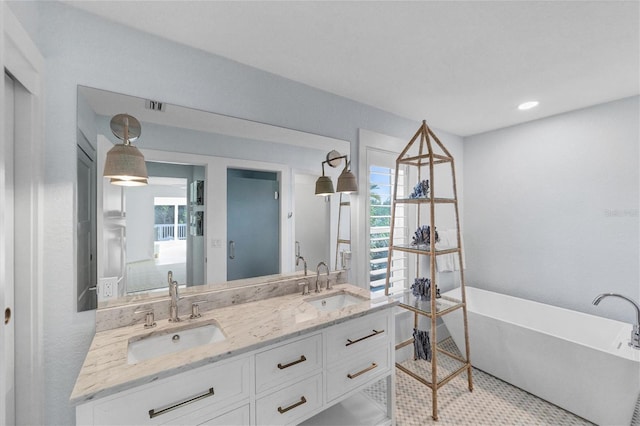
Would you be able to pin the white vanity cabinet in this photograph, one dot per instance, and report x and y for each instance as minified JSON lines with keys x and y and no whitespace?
{"x":314,"y":378}
{"x":204,"y":392}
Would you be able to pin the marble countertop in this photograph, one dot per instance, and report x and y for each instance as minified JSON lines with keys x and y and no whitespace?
{"x":247,"y":327}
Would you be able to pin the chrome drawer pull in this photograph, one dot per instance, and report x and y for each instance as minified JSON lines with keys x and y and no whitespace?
{"x":369,"y":368}
{"x":153,"y":413}
{"x":375,"y":333}
{"x":291,"y":407}
{"x":298,"y":361}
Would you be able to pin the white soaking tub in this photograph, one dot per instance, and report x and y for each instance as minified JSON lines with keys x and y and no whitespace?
{"x":580,"y":362}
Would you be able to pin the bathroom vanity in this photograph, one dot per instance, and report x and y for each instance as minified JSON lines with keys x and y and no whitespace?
{"x":323,"y":358}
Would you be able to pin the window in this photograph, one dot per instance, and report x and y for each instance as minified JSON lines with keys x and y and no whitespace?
{"x":381,"y":184}
{"x":167,"y":225}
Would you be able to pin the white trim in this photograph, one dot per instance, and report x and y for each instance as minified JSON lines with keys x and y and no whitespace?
{"x":367,"y":140}
{"x":21,"y":58}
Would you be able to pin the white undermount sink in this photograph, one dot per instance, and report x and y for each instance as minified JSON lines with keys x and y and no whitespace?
{"x":335,"y":301}
{"x":172,"y":342}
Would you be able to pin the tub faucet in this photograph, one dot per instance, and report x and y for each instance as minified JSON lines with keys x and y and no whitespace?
{"x":173,"y":293}
{"x":635,"y":333}
{"x":318,"y":275}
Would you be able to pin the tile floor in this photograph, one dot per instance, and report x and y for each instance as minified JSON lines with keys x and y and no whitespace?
{"x":492,"y":402}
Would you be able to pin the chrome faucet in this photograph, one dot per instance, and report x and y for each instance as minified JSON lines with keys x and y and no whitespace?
{"x":318,"y":275}
{"x":298,"y":258}
{"x":173,"y":293}
{"x":635,"y":333}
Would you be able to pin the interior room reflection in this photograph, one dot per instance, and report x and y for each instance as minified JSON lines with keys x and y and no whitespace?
{"x":200,"y":216}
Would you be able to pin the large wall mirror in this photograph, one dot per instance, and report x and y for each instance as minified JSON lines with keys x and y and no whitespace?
{"x":229,"y":201}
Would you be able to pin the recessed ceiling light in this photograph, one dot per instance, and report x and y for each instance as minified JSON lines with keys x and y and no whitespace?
{"x":527,"y":105}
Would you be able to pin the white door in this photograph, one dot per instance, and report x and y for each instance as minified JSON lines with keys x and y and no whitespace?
{"x":7,"y":383}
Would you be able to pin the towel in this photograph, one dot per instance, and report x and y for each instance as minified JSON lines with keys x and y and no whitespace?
{"x":421,"y":344}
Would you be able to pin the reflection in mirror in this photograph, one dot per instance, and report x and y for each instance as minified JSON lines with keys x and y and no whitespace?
{"x":140,"y":235}
{"x":170,"y":244}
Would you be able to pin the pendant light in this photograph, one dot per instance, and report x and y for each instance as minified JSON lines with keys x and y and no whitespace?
{"x":347,"y":181}
{"x":125,"y":164}
{"x":324,"y":185}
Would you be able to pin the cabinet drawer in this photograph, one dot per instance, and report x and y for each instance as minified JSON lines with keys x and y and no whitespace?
{"x":343,"y":377}
{"x":290,"y":404}
{"x":288,"y":362}
{"x":175,"y":396}
{"x":238,"y":417}
{"x":356,"y":336}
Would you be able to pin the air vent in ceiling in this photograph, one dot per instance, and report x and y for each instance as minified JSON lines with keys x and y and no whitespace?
{"x":154,"y":105}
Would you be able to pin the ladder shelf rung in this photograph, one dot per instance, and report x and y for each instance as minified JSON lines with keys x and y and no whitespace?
{"x":405,"y":343}
{"x":425,"y":251}
{"x":425,"y":200}
{"x":441,"y":382}
{"x":444,"y":304}
{"x":441,"y":158}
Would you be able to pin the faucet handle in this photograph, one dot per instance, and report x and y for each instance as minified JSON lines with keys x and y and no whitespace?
{"x":195,"y":309}
{"x":149,"y":317}
{"x":305,"y":286}
{"x":328,"y":286}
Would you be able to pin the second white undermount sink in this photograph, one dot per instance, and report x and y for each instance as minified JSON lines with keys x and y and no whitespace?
{"x":335,"y":301}
{"x":172,"y":342}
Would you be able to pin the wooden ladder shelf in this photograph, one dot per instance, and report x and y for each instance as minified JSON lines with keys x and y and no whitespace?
{"x":425,"y":153}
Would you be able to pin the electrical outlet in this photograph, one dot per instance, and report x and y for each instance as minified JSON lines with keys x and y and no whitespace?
{"x":108,"y":287}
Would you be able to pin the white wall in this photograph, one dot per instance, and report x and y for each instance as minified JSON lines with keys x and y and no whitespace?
{"x":81,"y":49}
{"x":551,"y":209}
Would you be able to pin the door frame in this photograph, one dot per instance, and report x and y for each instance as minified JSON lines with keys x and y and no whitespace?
{"x":216,"y":218}
{"x":22,"y":60}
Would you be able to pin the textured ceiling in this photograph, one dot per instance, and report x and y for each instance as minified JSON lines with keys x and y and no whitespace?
{"x":462,"y":65}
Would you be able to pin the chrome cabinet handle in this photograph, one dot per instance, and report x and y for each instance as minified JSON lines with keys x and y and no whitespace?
{"x":369,"y":368}
{"x":291,"y":407}
{"x":232,"y":249}
{"x":153,"y":413}
{"x":375,"y":333}
{"x":298,"y":361}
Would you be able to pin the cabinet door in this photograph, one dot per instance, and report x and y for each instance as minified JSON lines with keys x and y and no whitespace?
{"x":291,"y":404}
{"x":357,"y":336}
{"x":167,"y":399}
{"x":236,"y":417}
{"x":357,"y":371}
{"x":288,"y":362}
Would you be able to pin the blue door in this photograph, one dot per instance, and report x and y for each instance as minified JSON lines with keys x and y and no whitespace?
{"x":253,"y":224}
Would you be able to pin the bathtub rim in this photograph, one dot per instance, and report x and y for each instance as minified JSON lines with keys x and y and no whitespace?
{"x":624,"y":332}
